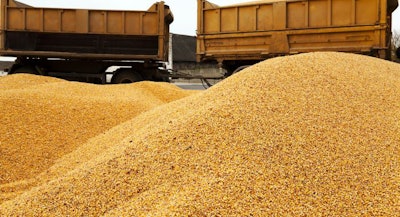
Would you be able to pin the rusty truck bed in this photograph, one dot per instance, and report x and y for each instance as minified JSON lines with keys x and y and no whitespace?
{"x":262,"y":29}
{"x":84,"y":33}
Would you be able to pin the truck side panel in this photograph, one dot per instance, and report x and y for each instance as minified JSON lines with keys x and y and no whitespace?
{"x":263,"y":29}
{"x":82,"y":21}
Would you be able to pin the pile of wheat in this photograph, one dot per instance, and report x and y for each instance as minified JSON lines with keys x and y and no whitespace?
{"x":45,"y":118}
{"x":315,"y":134}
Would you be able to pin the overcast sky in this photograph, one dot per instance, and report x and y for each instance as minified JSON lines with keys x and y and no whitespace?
{"x":185,"y":11}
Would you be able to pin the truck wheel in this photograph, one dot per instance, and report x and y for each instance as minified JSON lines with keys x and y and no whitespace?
{"x":126,"y":76}
{"x":398,"y":52}
{"x":240,"y":68}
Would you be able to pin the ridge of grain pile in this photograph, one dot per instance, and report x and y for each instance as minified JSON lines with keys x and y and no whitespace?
{"x":306,"y":135}
{"x":48,"y":118}
{"x":21,"y":81}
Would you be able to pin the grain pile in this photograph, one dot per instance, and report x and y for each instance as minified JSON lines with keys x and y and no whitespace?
{"x":308,"y":135}
{"x":22,"y":81}
{"x":45,"y":118}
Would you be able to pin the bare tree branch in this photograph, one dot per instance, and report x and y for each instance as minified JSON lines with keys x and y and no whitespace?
{"x":395,"y":45}
{"x":396,"y":38}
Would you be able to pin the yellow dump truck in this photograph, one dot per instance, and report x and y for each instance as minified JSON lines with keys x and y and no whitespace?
{"x":80,"y":43}
{"x":238,"y":35}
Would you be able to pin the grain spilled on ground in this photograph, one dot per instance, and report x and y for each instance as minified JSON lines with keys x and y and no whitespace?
{"x":308,"y":135}
{"x":48,"y":118}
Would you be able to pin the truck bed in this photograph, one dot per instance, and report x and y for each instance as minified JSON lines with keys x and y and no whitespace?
{"x":261,"y":29}
{"x":85,"y":33}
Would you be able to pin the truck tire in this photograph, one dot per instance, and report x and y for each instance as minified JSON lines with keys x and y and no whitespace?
{"x":125,"y":76}
{"x":240,"y":68}
{"x":398,"y":52}
{"x":233,"y":69}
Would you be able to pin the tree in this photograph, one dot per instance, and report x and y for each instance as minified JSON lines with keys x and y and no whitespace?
{"x":396,"y":43}
{"x":396,"y":38}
